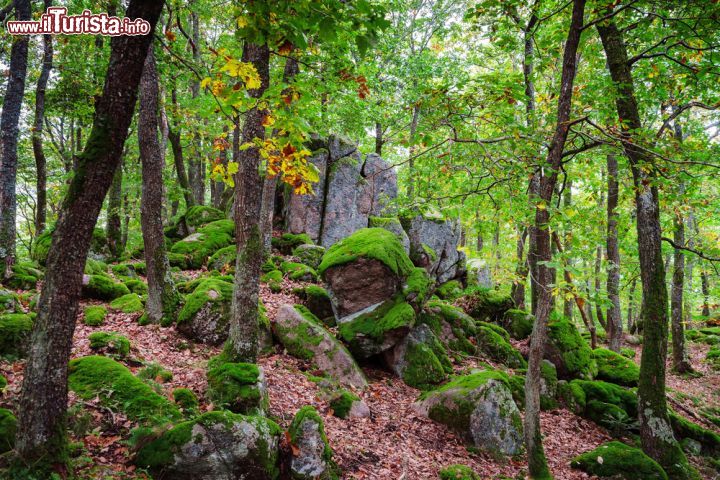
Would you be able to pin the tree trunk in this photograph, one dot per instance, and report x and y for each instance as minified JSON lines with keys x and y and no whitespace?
{"x":517,"y":291}
{"x":570,"y":297}
{"x":413,"y":149}
{"x":631,"y":307}
{"x":537,"y":465}
{"x":8,"y":141}
{"x":378,"y":138}
{"x":528,"y":68}
{"x":41,"y":437}
{"x":655,"y":429}
{"x":113,"y":227}
{"x":705,"y":287}
{"x":162,"y":298}
{"x":174,"y":138}
{"x":614,"y":320}
{"x":196,"y":167}
{"x":217,"y":188}
{"x":248,"y":198}
{"x":37,"y":140}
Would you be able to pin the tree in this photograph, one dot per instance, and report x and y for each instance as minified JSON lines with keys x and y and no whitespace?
{"x":41,"y":444}
{"x":614,"y":319}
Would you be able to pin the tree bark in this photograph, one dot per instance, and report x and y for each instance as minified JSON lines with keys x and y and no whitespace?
{"x":248,"y":198}
{"x":162,"y":298}
{"x":517,"y":291}
{"x":614,"y":320}
{"x":413,"y":149}
{"x":37,"y":140}
{"x":217,"y":188}
{"x":41,"y":438}
{"x":631,"y":307}
{"x":8,"y":142}
{"x":655,"y":430}
{"x":537,"y":464}
{"x":113,"y":227}
{"x":705,"y":288}
{"x":196,"y":167}
{"x":571,"y":298}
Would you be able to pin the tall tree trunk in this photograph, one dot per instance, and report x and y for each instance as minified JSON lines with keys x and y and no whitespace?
{"x":705,"y":288}
{"x":378,"y":138}
{"x":569,"y":296}
{"x":614,"y":319}
{"x":537,"y":465}
{"x":196,"y":167}
{"x":413,"y":149}
{"x":9,"y":139}
{"x":598,"y":306}
{"x":37,"y":140}
{"x":162,"y":298}
{"x":631,"y":307}
{"x":248,"y":199}
{"x":517,"y":291}
{"x":41,"y":437}
{"x":113,"y":227}
{"x":217,"y":188}
{"x":655,"y":429}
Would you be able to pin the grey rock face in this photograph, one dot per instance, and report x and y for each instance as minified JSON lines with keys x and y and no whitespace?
{"x":382,"y":184}
{"x":443,"y":237}
{"x":210,"y":323}
{"x":312,"y":459}
{"x":419,"y":351}
{"x":303,"y":213}
{"x":346,"y":204}
{"x":391,"y":224}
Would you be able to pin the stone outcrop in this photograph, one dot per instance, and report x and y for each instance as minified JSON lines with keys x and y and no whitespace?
{"x":434,"y":245}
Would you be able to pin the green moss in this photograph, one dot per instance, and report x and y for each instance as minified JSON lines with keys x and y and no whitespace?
{"x":118,"y":389}
{"x":373,"y":243}
{"x":577,"y":357}
{"x":124,"y":270}
{"x":614,"y":368}
{"x":201,"y":215}
{"x":683,"y":429}
{"x":627,"y":352}
{"x":8,"y":429}
{"x":110,"y":342}
{"x":95,"y":267}
{"x":15,"y":329}
{"x":130,"y":303}
{"x":197,"y":247}
{"x":102,"y":287}
{"x":209,"y":290}
{"x":179,"y":260}
{"x":495,"y":328}
{"x":436,"y":313}
{"x":224,"y":259}
{"x":235,"y":386}
{"x":498,"y":349}
{"x":391,"y":315}
{"x":427,"y":364}
{"x":518,"y":323}
{"x":9,"y":302}
{"x":449,"y":290}
{"x":342,"y":402}
{"x":137,"y":286}
{"x":94,"y":315}
{"x":317,"y":300}
{"x":3,"y":383}
{"x":297,"y":340}
{"x":617,"y":460}
{"x":273,"y":279}
{"x":604,"y":403}
{"x":24,"y":277}
{"x":458,"y":472}
{"x":155,"y":372}
{"x":573,"y":396}
{"x":486,"y":304}
{"x":299,"y":271}
{"x":310,"y":255}
{"x":308,"y":413}
{"x":186,"y":400}
{"x":289,"y":241}
{"x":41,"y":249}
{"x":418,"y":286}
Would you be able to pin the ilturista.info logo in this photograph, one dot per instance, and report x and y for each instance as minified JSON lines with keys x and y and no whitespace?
{"x":56,"y":21}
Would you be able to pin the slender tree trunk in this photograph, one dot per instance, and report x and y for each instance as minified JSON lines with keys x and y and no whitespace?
{"x":162,"y":298}
{"x":217,"y":188}
{"x":195,"y":161}
{"x":689,"y":272}
{"x":378,"y":138}
{"x":598,"y":307}
{"x":614,"y":319}
{"x":631,"y":307}
{"x":37,"y":140}
{"x":113,"y":227}
{"x":705,"y":287}
{"x":521,"y":271}
{"x":655,"y":430}
{"x":537,"y":465}
{"x":41,"y":437}
{"x":569,"y":296}
{"x":174,"y":138}
{"x":9,"y":139}
{"x":413,"y":149}
{"x":248,"y":199}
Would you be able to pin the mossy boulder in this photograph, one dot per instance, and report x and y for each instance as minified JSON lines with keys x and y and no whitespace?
{"x":130,"y":303}
{"x":199,"y":246}
{"x":567,"y":350}
{"x":118,"y":389}
{"x":480,"y":408}
{"x":238,"y":387}
{"x":486,"y":304}
{"x":418,"y":287}
{"x":201,"y":215}
{"x":434,"y":243}
{"x":619,"y":461}
{"x":310,"y":255}
{"x":102,"y":287}
{"x":112,"y":343}
{"x":379,"y":329}
{"x":137,"y":286}
{"x":224,"y":259}
{"x":186,"y":400}
{"x":392,"y":225}
{"x":346,"y":404}
{"x":451,"y":325}
{"x":684,"y":429}
{"x":420,"y":359}
{"x":9,"y":302}
{"x":287,"y":242}
{"x":615,"y":368}
{"x":15,"y":330}
{"x":273,"y":279}
{"x":95,"y":267}
{"x":606,"y":404}
{"x":312,"y":455}
{"x":25,"y":276}
{"x":449,"y":290}
{"x":8,"y":429}
{"x":205,"y":316}
{"x":303,"y":336}
{"x":364,"y":269}
{"x":317,"y":300}
{"x":518,"y":323}
{"x":458,"y":472}
{"x":299,"y":271}
{"x":215,"y":445}
{"x":498,"y":349}
{"x":94,"y":315}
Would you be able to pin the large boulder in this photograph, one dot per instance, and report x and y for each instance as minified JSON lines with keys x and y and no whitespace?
{"x":451,"y":325}
{"x":620,"y":461}
{"x":480,"y":408}
{"x":364,"y":269}
{"x":312,"y":455}
{"x":391,"y":224}
{"x":382,"y":184}
{"x":303,"y":336}
{"x":568,"y":351}
{"x":15,"y":330}
{"x":217,"y":445}
{"x":195,"y":249}
{"x":238,"y":387}
{"x":205,"y":317}
{"x":434,"y":245}
{"x":419,"y":359}
{"x":303,"y":213}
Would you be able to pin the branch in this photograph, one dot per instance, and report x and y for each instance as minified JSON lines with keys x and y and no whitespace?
{"x":681,"y":109}
{"x":691,"y":250}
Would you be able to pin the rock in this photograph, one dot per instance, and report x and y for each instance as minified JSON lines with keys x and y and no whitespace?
{"x":486,"y":304}
{"x":317,"y":300}
{"x":205,"y":316}
{"x":98,"y":246}
{"x":24,"y":277}
{"x":498,"y":349}
{"x":419,"y":359}
{"x":312,"y":455}
{"x":199,"y":246}
{"x":606,"y":404}
{"x":223,"y":260}
{"x":458,"y":472}
{"x":480,"y":408}
{"x":286,"y":242}
{"x":381,"y":184}
{"x":310,"y":255}
{"x":102,"y":287}
{"x":614,"y":368}
{"x":238,"y":387}
{"x":391,"y":224}
{"x":303,"y":213}
{"x":200,"y":215}
{"x":9,"y":302}
{"x":340,"y":147}
{"x":434,"y":245}
{"x":567,"y":350}
{"x":94,"y":315}
{"x":620,"y":461}
{"x":479,"y":273}
{"x":112,"y":343}
{"x":451,"y":325}
{"x":346,"y":202}
{"x":518,"y":323}
{"x":303,"y":335}
{"x":364,"y":269}
{"x":15,"y":330}
{"x":130,"y":303}
{"x":217,"y":445}
{"x":299,"y":271}
{"x":346,"y":404}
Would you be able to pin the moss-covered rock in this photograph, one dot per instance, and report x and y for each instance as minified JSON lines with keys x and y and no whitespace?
{"x":606,"y":404}
{"x":495,"y":347}
{"x":41,"y":249}
{"x":199,"y":246}
{"x":102,"y":287}
{"x":480,"y":408}
{"x":238,"y":387}
{"x":378,"y":330}
{"x":312,"y":456}
{"x":418,"y":287}
{"x":9,"y":302}
{"x":299,"y":271}
{"x":287,"y":242}
{"x":420,"y":359}
{"x":155,"y":372}
{"x":372,"y":243}
{"x":486,"y":304}
{"x":392,"y":225}
{"x":273,"y":279}
{"x":458,"y":472}
{"x":217,"y":444}
{"x":8,"y":429}
{"x":617,"y":460}
{"x":94,"y":315}
{"x":303,"y":336}
{"x":224,"y":259}
{"x":449,"y":290}
{"x":95,"y":267}
{"x":205,"y":316}
{"x":708,"y":440}
{"x":130,"y":303}
{"x":614,"y":368}
{"x":345,"y":404}
{"x":137,"y":286}
{"x":118,"y":389}
{"x":310,"y":255}
{"x":201,"y":215}
{"x":186,"y":400}
{"x":451,"y":325}
{"x":549,"y":386}
{"x":112,"y":343}
{"x":317,"y":300}
{"x":15,"y":330}
{"x":567,"y":350}
{"x":25,"y":276}
{"x":518,"y":323}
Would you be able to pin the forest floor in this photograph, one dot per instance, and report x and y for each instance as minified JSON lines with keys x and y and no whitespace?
{"x":394,"y":443}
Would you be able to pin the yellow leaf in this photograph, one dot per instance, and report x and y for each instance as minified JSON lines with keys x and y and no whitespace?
{"x":205,"y":82}
{"x":242,"y":22}
{"x":232,"y":168}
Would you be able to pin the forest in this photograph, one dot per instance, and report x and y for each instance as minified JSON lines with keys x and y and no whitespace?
{"x":366,"y":239}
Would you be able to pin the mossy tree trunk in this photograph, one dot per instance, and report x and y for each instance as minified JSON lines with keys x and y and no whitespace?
{"x":243,"y":342}
{"x":41,"y":442}
{"x":537,"y":464}
{"x":162,"y":296}
{"x":614,"y":319}
{"x":113,"y":226}
{"x":9,"y":139}
{"x":37,"y":133}
{"x":656,"y":432}
{"x":178,"y":158}
{"x":568,"y":294}
{"x":517,"y":291}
